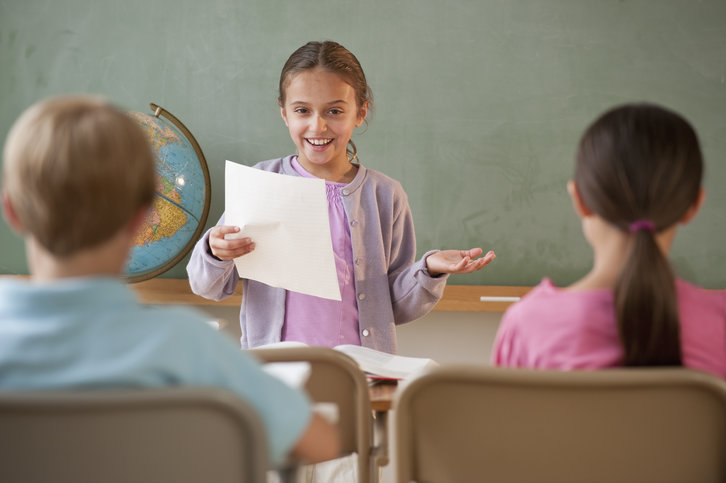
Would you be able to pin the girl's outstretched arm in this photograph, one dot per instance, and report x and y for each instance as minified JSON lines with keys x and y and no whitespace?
{"x":457,"y":261}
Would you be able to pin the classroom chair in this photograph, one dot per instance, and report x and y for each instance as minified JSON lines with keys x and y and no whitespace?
{"x":180,"y":435}
{"x":478,"y":424}
{"x":336,"y":378}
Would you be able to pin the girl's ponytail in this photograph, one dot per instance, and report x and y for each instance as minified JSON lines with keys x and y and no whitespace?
{"x":646,"y":305}
{"x":639,"y":167}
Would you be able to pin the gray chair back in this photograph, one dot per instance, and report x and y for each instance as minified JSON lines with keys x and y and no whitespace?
{"x":478,"y":424}
{"x":180,"y":435}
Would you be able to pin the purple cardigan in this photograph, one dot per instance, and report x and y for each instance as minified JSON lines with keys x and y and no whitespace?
{"x":392,"y":288}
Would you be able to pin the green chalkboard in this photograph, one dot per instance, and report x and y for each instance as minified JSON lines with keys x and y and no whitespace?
{"x":478,"y":103}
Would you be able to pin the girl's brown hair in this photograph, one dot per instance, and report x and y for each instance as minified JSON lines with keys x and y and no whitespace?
{"x":642,"y":164}
{"x":335,"y":58}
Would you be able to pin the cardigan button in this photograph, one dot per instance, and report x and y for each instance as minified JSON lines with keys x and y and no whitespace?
{"x":361,"y":296}
{"x":365,"y":332}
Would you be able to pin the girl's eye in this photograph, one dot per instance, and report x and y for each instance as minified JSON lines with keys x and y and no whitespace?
{"x":336,"y":111}
{"x":301,"y":110}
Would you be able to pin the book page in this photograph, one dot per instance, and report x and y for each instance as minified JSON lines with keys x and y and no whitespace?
{"x":384,"y":364}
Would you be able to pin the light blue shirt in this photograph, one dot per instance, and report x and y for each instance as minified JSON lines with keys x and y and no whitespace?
{"x":93,"y":333}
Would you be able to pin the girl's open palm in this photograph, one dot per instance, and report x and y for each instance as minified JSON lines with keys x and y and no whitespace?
{"x":457,"y":261}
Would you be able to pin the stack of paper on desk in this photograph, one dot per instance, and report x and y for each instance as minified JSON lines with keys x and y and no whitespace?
{"x":287,"y":218}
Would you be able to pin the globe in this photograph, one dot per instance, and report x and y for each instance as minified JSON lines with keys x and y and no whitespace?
{"x":181,"y":205}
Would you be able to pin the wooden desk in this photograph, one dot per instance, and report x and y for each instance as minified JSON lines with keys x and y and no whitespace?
{"x":382,"y":395}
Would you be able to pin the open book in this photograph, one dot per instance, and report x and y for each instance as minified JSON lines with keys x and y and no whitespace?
{"x":375,"y":364}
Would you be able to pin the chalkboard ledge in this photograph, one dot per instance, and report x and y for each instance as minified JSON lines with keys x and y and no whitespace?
{"x":457,"y":298}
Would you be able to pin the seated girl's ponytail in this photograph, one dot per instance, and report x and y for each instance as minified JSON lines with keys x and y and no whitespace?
{"x":646,"y":304}
{"x":639,"y":167}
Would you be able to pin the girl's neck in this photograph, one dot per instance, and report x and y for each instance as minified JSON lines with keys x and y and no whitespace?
{"x":610,"y":251}
{"x":338,"y":172}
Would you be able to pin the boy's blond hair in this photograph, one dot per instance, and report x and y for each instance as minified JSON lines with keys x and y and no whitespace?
{"x":76,"y":170}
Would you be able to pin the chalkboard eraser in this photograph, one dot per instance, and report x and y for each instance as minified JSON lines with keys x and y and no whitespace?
{"x":499,"y":299}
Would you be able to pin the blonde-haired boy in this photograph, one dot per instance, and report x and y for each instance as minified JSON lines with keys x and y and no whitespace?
{"x":78,"y":179}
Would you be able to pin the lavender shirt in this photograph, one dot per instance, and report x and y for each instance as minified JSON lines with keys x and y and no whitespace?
{"x":318,"y":321}
{"x":392,"y":287}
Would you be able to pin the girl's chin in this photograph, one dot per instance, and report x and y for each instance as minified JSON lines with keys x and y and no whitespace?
{"x":318,"y":153}
{"x":320,"y":159}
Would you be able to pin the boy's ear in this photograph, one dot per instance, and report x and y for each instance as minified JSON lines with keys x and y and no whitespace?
{"x":693,"y":210}
{"x":136,"y":221}
{"x":9,"y":214}
{"x":580,"y":208}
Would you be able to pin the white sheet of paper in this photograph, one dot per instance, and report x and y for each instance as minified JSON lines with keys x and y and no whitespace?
{"x":294,"y":374}
{"x":287,"y":218}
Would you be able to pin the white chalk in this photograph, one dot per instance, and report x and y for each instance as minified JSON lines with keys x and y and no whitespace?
{"x":499,"y":299}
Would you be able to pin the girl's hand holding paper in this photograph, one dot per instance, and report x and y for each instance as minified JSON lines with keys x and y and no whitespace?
{"x":226,"y":245}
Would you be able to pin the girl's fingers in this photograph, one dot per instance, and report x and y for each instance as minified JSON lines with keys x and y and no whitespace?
{"x":221,"y":230}
{"x":461,"y":265}
{"x":473,"y":252}
{"x":230,"y":249}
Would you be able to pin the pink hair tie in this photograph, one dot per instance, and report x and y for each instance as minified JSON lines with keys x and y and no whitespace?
{"x":642,"y":225}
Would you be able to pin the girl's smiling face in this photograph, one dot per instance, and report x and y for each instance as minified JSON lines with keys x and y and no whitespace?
{"x":321,"y":113}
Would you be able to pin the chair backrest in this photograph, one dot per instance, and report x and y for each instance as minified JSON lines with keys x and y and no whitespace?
{"x":335,"y":378}
{"x":130,"y":435}
{"x":477,"y":424}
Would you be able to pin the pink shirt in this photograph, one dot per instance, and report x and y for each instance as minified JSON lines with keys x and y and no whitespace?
{"x":552,"y":328}
{"x":322,"y":322}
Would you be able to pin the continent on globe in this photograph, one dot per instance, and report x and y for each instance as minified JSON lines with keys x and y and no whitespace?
{"x":152,"y":229}
{"x":159,"y":134}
